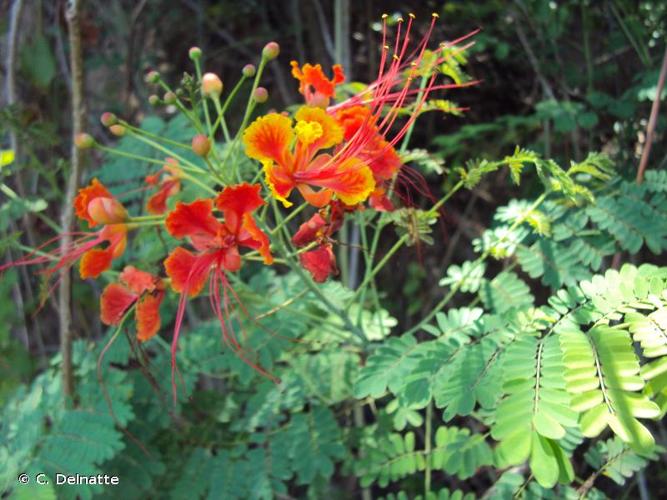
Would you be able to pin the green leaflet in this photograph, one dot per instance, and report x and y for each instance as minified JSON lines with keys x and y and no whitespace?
{"x":609,"y":395}
{"x":533,"y":413}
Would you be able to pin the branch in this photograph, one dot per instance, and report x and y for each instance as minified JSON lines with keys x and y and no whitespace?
{"x":652,"y":121}
{"x":67,"y":215}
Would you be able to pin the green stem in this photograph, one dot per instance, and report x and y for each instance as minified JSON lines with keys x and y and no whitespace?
{"x":427,"y":450}
{"x":153,"y":136}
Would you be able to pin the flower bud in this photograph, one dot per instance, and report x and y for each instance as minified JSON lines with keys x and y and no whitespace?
{"x":194,"y":53}
{"x":106,"y":211}
{"x":108,"y":119}
{"x":260,"y":95}
{"x":152,"y":77}
{"x":84,"y":141}
{"x":153,"y":100}
{"x":170,"y":98}
{"x":249,"y":70}
{"x":117,"y":130}
{"x":211,"y":85}
{"x":201,"y":145}
{"x":270,"y":51}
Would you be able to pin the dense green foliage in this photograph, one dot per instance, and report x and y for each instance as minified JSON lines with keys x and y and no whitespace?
{"x":515,"y":347}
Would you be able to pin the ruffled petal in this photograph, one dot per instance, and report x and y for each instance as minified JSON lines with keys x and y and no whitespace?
{"x":192,"y":219}
{"x":309,"y":231}
{"x":314,"y":84}
{"x":253,"y":237}
{"x":269,"y":138}
{"x":351,"y":180}
{"x":330,"y":132}
{"x":280,"y":182}
{"x":94,"y":262}
{"x":237,"y":201}
{"x":157,"y":203}
{"x":382,"y":159}
{"x":148,"y":315}
{"x":188,"y":272}
{"x":114,"y":303}
{"x":138,"y":281}
{"x":352,"y":119}
{"x":380,"y":201}
{"x":320,"y":263}
{"x":85,"y":195}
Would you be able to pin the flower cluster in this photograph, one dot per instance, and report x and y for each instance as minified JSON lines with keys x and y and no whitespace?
{"x":338,"y":155}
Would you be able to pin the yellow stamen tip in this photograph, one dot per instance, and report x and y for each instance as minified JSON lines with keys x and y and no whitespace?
{"x":308,"y":132}
{"x":396,"y":57}
{"x":400,"y":19}
{"x":386,"y":47}
{"x":435,"y":15}
{"x":412,"y":15}
{"x":385,"y":16}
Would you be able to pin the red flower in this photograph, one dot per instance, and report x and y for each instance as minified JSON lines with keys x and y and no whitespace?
{"x":168,"y":181}
{"x":138,"y":288}
{"x":216,"y":247}
{"x":320,"y":262}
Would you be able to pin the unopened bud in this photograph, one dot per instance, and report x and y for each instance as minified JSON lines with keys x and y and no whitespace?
{"x":152,"y":77}
{"x":106,"y":211}
{"x":249,"y":70}
{"x":211,"y":85}
{"x":270,"y":51}
{"x":170,"y":98}
{"x":153,"y":100}
{"x":108,"y":119}
{"x":84,"y":141}
{"x":201,"y":145}
{"x":117,"y":130}
{"x":194,"y":53}
{"x":260,"y":95}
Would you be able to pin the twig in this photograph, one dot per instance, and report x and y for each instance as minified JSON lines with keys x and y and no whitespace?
{"x":67,"y":215}
{"x":652,"y":121}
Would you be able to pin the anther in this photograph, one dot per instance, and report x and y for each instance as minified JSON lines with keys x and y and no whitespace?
{"x":386,"y":47}
{"x":412,"y":15}
{"x":385,"y":16}
{"x":400,"y":19}
{"x":396,"y":57}
{"x":435,"y":15}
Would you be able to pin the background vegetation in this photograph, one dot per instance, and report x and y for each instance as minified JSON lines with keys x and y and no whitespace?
{"x":560,"y":79}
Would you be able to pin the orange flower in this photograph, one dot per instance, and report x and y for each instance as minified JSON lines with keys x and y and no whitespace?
{"x":97,"y":250}
{"x":96,"y":205}
{"x":302,"y":165}
{"x":168,"y":180}
{"x":216,"y":247}
{"x":314,"y":85}
{"x":138,"y":288}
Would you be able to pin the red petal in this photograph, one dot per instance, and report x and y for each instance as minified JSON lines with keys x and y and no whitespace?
{"x":187,"y":271}
{"x":148,"y":316}
{"x":192,"y":219}
{"x":236,"y":201}
{"x":157,"y":204}
{"x":138,"y":281}
{"x":308,"y":231}
{"x":321,"y":263}
{"x":253,"y":237}
{"x":94,"y":262}
{"x":114,"y":303}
